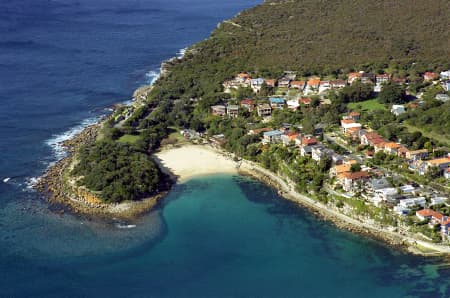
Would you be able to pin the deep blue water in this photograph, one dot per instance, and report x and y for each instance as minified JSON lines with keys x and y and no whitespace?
{"x":62,"y":64}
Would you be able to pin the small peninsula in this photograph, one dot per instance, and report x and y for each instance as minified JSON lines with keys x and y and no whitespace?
{"x":345,"y":115}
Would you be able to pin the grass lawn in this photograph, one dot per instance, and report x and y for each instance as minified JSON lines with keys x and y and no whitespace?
{"x":368,"y":105}
{"x":130,"y":139}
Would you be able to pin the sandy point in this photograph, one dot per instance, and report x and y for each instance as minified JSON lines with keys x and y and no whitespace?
{"x":188,"y":161}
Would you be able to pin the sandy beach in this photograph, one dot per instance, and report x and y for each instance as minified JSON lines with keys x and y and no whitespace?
{"x":188,"y":161}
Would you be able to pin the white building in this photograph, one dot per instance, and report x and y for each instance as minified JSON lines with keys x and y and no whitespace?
{"x":411,"y":202}
{"x":398,"y":110}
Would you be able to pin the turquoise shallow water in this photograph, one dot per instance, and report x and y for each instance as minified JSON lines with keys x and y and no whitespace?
{"x":217,"y":236}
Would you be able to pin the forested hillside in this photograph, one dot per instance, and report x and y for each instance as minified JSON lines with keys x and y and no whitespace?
{"x":326,"y":36}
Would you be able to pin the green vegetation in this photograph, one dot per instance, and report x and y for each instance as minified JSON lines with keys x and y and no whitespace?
{"x":330,"y":36}
{"x":130,"y":139}
{"x":431,"y":119}
{"x":118,"y":172}
{"x":367,"y":105}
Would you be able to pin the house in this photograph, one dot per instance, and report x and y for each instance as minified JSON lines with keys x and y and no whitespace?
{"x":391,"y":148}
{"x":430,"y":214}
{"x":437,"y":201}
{"x":417,"y":154}
{"x":382,"y":78}
{"x":313,"y":84}
{"x":264,"y":110}
{"x":351,"y":180}
{"x":271,"y":83}
{"x":307,"y":144}
{"x":376,"y":184}
{"x":258,"y":131}
{"x":440,"y":163}
{"x":293,"y":104}
{"x":379,"y":146}
{"x":367,"y":78}
{"x":339,"y":169}
{"x":370,"y":138}
{"x":364,"y":77}
{"x":430,"y":76}
{"x":233,"y":111}
{"x":336,"y":84}
{"x":388,"y":194}
{"x":277,"y":103}
{"x":445,"y":75}
{"x":324,"y":85}
{"x":219,"y":110}
{"x":348,"y":123}
{"x":411,"y":202}
{"x":289,"y":137}
{"x":309,"y":141}
{"x":401,"y":152}
{"x":355,"y":116}
{"x":272,"y":137}
{"x":318,"y":152}
{"x":397,"y":110}
{"x":442,"y":97}
{"x":446,"y":85}
{"x":256,"y":84}
{"x":284,"y":82}
{"x":407,"y":189}
{"x":354,"y":76}
{"x":248,"y":104}
{"x":300,"y":85}
{"x":353,"y":132}
{"x":404,"y":206}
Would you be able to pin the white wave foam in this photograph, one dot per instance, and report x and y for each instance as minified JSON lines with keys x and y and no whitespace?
{"x":152,"y":76}
{"x":121,"y":226}
{"x":181,"y":53}
{"x":56,"y":141}
{"x":30,"y":183}
{"x":6,"y":180}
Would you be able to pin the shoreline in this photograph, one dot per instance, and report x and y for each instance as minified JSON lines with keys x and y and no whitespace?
{"x":340,"y":220}
{"x":185,"y":161}
{"x":286,"y":190}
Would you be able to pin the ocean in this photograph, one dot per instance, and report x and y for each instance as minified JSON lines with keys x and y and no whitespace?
{"x":63,"y":64}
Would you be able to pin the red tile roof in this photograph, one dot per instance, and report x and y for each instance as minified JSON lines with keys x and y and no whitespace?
{"x":355,"y":175}
{"x":247,"y":102}
{"x":392,"y":145}
{"x":309,"y":141}
{"x":313,"y":82}
{"x":430,"y":213}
